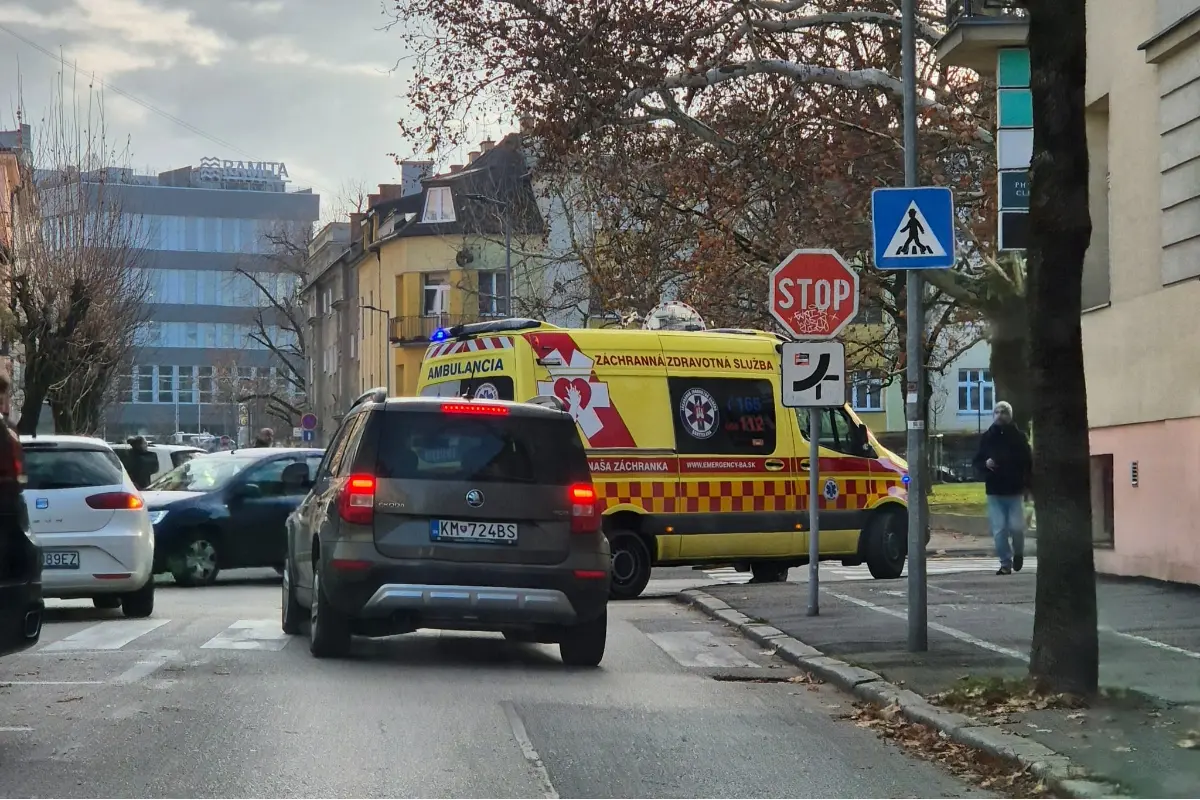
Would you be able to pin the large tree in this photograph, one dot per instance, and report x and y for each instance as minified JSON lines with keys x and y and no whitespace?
{"x":1065,"y":652}
{"x":77,"y":296}
{"x":728,"y":132}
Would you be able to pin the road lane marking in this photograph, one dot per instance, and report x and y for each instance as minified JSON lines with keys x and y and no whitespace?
{"x":250,"y":634}
{"x":110,"y":635}
{"x":699,"y":649}
{"x":4,"y":683}
{"x":962,"y":636}
{"x":15,"y":729}
{"x":526,"y":744}
{"x":1133,"y":637}
{"x":146,"y":666}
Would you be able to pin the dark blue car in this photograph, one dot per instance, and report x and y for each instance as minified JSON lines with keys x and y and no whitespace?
{"x":227,"y":510}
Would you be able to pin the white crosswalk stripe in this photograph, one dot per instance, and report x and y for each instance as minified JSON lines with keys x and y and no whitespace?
{"x":837,"y":572}
{"x":130,"y":635}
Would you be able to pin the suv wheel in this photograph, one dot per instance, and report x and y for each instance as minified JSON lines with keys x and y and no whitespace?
{"x":293,"y":612}
{"x":631,"y":565}
{"x":329,"y":630}
{"x":107,"y":601}
{"x":583,"y":645}
{"x":139,"y":604}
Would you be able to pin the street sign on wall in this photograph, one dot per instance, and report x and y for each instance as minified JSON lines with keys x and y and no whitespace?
{"x":814,"y":294}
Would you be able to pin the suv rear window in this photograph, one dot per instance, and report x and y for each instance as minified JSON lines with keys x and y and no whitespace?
{"x":70,"y":468}
{"x":459,"y":447}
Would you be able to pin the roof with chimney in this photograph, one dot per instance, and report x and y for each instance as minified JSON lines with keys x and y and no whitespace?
{"x":497,"y":172}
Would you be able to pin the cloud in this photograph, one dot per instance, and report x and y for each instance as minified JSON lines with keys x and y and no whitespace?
{"x":286,"y":51}
{"x":260,"y":7}
{"x":105,"y":60}
{"x":172,"y":31}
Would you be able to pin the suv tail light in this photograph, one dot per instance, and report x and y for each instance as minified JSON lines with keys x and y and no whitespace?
{"x":115,"y":501}
{"x":483,"y":409}
{"x":356,"y":503}
{"x":585,"y":508}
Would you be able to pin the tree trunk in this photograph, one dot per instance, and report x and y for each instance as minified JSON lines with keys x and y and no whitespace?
{"x":1009,"y":341}
{"x":31,"y":407}
{"x":1064,"y":654}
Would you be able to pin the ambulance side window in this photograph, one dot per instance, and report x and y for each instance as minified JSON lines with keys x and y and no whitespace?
{"x":838,"y":432}
{"x":723,"y":416}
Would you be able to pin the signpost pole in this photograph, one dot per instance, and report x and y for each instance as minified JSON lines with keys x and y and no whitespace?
{"x":918,"y":632}
{"x":814,"y":516}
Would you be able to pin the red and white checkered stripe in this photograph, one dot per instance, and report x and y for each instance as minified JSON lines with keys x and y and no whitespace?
{"x":477,"y":345}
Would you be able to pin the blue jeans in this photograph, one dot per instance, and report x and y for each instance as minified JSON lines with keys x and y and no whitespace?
{"x":1006,"y":515}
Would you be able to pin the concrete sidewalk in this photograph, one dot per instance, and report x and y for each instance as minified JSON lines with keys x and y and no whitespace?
{"x":1140,"y":734}
{"x":945,"y":542}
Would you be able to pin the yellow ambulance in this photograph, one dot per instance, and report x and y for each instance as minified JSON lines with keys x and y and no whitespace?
{"x":695,"y":460}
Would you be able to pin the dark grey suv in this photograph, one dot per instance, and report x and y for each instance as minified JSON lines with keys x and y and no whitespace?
{"x":452,"y":514}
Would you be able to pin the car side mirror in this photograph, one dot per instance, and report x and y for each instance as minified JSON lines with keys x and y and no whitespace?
{"x":246,"y":491}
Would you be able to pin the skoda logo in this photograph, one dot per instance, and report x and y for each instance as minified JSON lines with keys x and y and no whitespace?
{"x":474,"y":498}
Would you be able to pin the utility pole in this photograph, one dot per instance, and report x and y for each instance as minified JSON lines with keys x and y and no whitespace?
{"x":918,"y":632}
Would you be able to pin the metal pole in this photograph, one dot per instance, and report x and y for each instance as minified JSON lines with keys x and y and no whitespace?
{"x":918,"y":631}
{"x":508,"y":260}
{"x":814,"y":513}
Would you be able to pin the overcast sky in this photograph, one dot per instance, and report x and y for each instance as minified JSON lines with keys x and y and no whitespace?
{"x":316,"y":84}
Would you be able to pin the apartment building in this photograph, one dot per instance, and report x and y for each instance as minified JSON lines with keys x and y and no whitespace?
{"x":14,"y":150}
{"x":1141,"y":281}
{"x":219,"y":239}
{"x":330,"y":297}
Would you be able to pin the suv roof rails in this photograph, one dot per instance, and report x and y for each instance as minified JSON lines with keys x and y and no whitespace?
{"x":377,"y":395}
{"x":548,"y":401}
{"x":494,"y":326}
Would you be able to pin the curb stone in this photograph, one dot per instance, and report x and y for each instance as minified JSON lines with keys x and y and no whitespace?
{"x":1055,"y":769}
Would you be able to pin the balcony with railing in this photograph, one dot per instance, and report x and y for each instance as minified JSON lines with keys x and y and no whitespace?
{"x":976,"y":29}
{"x":418,"y":330}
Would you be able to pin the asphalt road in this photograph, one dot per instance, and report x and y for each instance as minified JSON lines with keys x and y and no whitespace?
{"x":209,"y":699}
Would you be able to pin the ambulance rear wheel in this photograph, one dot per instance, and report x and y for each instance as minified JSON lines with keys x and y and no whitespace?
{"x":886,"y":545}
{"x":768,"y":572}
{"x":631,"y":565}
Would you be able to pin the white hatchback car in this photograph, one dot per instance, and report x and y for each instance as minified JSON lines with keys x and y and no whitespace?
{"x":90,"y":522}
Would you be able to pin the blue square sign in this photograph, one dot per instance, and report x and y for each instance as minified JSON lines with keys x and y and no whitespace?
{"x":307,"y":435}
{"x":913,"y":227}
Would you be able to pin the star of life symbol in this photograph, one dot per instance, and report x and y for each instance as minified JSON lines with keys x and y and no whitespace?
{"x":831,"y":489}
{"x":699,"y":413}
{"x":812,"y":321}
{"x":487,"y":391}
{"x":581,"y":394}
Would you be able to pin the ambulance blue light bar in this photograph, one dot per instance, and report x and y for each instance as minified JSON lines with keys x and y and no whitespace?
{"x":440,"y":335}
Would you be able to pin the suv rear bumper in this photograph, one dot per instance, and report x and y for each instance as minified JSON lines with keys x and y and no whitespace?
{"x":426,"y":593}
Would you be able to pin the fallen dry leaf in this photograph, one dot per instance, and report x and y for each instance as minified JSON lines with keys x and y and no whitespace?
{"x":1122,"y":749}
{"x":1188,"y":744}
{"x":805,"y":677}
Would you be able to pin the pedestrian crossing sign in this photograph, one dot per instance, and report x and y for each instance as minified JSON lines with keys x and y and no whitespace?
{"x":913,"y":227}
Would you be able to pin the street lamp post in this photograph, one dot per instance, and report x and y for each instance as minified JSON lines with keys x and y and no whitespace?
{"x":387,"y":371}
{"x":506,"y":222}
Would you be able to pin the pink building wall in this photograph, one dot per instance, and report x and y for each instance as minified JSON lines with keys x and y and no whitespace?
{"x":1157,"y":523}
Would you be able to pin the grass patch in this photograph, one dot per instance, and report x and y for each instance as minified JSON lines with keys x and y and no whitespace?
{"x":995,"y":696}
{"x":958,"y":498}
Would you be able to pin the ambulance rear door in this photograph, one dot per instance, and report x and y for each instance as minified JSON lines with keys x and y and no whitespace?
{"x":480,"y":367}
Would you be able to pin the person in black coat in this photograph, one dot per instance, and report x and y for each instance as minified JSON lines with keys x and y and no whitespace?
{"x":141,"y":462}
{"x":1006,"y":462}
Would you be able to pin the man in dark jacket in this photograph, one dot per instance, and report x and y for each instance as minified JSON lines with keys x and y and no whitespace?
{"x":265,"y":438}
{"x":141,"y":462}
{"x":1006,"y":461}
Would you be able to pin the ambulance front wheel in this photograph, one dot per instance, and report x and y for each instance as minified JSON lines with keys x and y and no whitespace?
{"x":886,"y":544}
{"x":631,"y":565}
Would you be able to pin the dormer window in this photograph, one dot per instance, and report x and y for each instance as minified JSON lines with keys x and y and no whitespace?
{"x":439,"y":205}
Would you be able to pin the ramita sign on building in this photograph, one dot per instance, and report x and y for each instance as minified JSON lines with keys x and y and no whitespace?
{"x":217,"y":169}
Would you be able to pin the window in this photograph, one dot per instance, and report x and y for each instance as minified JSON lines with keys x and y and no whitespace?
{"x":439,"y":205}
{"x":205,"y":383}
{"x":723,"y":416}
{"x":343,"y":440}
{"x":269,"y":478}
{"x":166,"y":384}
{"x":493,"y":294}
{"x":976,"y":394}
{"x":866,"y":391}
{"x":49,"y":468}
{"x":145,"y":384}
{"x":1103,"y":507}
{"x":124,"y":387}
{"x":498,"y":387}
{"x":838,"y":432}
{"x":458,"y":447}
{"x":187,"y":384}
{"x":437,"y":294}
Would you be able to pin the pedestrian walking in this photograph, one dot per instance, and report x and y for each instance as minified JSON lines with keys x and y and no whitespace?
{"x":265,"y":438}
{"x":141,"y":462}
{"x":1006,"y":462}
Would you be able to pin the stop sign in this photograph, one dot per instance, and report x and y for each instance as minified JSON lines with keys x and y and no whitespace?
{"x":814,"y":294}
